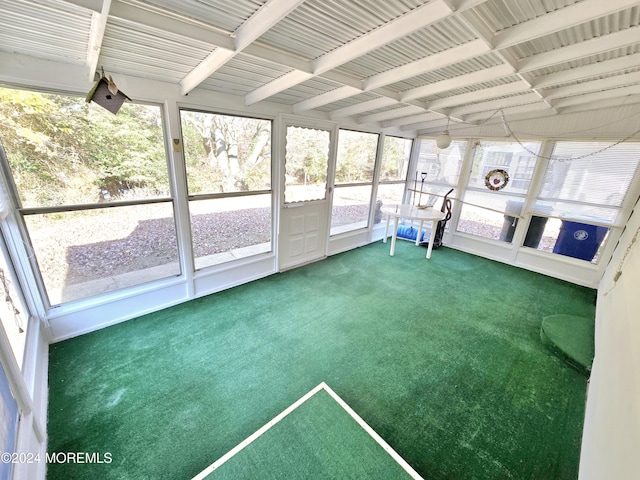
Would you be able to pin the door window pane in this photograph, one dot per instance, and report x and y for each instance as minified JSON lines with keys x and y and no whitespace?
{"x":86,"y":253}
{"x":225,"y":229}
{"x":306,"y":163}
{"x":226,"y":153}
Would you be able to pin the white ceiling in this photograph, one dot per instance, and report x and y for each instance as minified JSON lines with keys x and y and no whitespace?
{"x":403,"y":64}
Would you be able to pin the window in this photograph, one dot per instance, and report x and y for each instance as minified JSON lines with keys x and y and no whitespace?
{"x":393,"y":172}
{"x":94,"y":192}
{"x":582,"y":179}
{"x":228,"y":166}
{"x":492,"y":210}
{"x":306,"y":160}
{"x":583,"y":192}
{"x":354,"y":181}
{"x":437,"y":172}
{"x":12,"y":310}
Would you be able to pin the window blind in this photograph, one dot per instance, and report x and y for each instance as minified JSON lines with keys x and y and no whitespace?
{"x":588,"y":181}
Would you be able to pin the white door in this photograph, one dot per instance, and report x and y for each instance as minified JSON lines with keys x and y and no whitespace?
{"x":305,"y":199}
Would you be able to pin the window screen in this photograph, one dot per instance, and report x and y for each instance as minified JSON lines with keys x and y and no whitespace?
{"x":490,"y":210}
{"x":439,"y":168}
{"x":354,"y":181}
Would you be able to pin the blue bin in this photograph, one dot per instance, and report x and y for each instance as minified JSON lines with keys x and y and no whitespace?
{"x":579,"y":240}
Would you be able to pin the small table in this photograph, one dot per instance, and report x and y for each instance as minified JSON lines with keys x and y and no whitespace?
{"x":411,"y":212}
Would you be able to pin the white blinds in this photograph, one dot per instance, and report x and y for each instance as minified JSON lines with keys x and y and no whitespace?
{"x":588,"y":181}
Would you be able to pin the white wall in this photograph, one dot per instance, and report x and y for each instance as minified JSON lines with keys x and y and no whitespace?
{"x":611,"y":436}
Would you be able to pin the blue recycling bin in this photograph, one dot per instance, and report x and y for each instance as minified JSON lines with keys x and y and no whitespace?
{"x":579,"y":240}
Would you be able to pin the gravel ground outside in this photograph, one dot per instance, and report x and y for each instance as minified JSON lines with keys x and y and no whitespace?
{"x":79,"y":247}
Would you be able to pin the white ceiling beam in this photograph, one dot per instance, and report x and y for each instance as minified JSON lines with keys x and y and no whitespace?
{"x":622,"y":101}
{"x":561,"y":19}
{"x":214,"y":60}
{"x":412,"y":119}
{"x":389,"y":32}
{"x":510,"y":113}
{"x":461,"y":5}
{"x":178,"y":26}
{"x":362,"y":107}
{"x":93,"y":5}
{"x":461,"y":81}
{"x":154,"y":18}
{"x":605,"y":67}
{"x":261,"y":21}
{"x":477,"y":25}
{"x":326,"y":98}
{"x":389,"y":114}
{"x":96,"y":35}
{"x":18,"y":69}
{"x":267,"y":90}
{"x":593,"y":86}
{"x":594,"y":46}
{"x":402,"y":26}
{"x":478,"y":95}
{"x":595,"y":97}
{"x":432,"y":62}
{"x":493,"y":105}
{"x":438,"y":125}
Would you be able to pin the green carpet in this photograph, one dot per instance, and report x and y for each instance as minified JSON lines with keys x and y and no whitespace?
{"x":571,"y":338}
{"x":318,"y":439}
{"x":441,"y":357}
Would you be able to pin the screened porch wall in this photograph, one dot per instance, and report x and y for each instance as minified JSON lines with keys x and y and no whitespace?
{"x":68,"y":320}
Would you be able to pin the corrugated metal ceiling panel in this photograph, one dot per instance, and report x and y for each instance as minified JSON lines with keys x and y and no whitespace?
{"x":502,"y":14}
{"x":57,"y":30}
{"x":437,"y":38}
{"x":474,"y":88}
{"x":319,"y":26}
{"x":143,"y":51}
{"x":227,"y":16}
{"x":591,"y":60}
{"x":580,"y":33}
{"x":595,"y":79}
{"x":348,"y":102}
{"x":310,"y":88}
{"x":461,"y":68}
{"x":248,"y":72}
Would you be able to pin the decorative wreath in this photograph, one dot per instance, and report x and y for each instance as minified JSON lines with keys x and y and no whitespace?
{"x":496,"y":179}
